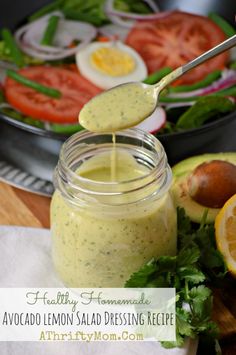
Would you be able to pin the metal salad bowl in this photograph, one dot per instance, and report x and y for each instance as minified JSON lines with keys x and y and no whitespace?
{"x":28,"y":154}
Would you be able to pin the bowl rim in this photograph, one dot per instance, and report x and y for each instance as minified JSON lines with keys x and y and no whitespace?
{"x":61,"y":136}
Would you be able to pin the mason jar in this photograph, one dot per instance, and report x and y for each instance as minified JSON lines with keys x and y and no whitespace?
{"x":103,"y":231}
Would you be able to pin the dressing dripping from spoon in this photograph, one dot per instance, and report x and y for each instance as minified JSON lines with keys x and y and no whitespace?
{"x":128,"y":104}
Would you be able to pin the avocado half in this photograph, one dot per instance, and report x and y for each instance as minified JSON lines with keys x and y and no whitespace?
{"x":181,"y":173}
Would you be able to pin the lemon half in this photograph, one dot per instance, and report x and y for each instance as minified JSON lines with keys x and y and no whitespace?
{"x":225,"y":230}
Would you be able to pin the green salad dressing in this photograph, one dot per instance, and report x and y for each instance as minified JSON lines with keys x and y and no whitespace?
{"x":102,"y":243}
{"x":94,"y":248}
{"x":119,"y":108}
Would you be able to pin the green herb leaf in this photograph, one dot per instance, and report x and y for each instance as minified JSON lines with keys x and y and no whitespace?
{"x":140,"y":278}
{"x":197,"y":261}
{"x":198,"y":296}
{"x":204,"y":108}
{"x":184,"y":223}
{"x":183,"y":319}
{"x":188,"y":256}
{"x":191,"y":273}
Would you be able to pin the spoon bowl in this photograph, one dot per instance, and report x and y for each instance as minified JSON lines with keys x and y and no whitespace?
{"x":121,"y":107}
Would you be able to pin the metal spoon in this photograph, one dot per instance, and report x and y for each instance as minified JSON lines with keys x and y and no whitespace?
{"x":111,"y":110}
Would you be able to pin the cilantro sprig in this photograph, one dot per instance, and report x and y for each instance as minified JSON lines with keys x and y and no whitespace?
{"x":197,"y":265}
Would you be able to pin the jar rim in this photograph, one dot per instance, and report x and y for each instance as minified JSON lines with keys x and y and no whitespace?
{"x":86,"y":134}
{"x":68,"y":181}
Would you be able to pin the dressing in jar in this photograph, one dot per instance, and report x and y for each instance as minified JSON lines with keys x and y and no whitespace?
{"x":111,"y":211}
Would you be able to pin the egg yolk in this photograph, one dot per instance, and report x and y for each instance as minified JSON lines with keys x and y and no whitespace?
{"x":112,"y":61}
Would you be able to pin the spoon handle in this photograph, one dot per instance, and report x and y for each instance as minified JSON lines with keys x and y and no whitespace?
{"x":222,"y":47}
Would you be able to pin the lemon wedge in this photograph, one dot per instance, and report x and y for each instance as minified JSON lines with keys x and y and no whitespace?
{"x":225,"y":229}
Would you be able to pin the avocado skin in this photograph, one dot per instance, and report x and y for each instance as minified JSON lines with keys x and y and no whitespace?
{"x":181,"y":172}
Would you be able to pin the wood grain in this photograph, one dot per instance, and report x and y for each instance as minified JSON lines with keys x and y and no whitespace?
{"x":20,"y":208}
{"x":38,"y":205}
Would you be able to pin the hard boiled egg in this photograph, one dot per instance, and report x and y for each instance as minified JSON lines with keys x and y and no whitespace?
{"x":107,"y":64}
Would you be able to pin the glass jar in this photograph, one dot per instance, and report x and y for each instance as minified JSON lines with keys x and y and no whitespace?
{"x":103,"y":231}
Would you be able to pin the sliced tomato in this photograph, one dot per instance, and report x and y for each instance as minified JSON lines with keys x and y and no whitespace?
{"x":175,"y":40}
{"x":75,"y":89}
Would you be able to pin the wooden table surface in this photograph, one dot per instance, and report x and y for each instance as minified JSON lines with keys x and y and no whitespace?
{"x":22,"y":208}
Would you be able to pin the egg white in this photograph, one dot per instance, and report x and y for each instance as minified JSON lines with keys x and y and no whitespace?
{"x":105,"y":81}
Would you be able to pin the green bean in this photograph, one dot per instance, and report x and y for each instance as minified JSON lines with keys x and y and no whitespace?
{"x":20,"y":117}
{"x":33,"y":122}
{"x":33,"y":84}
{"x":66,"y":128}
{"x":223,"y":24}
{"x":15,"y":52}
{"x":227,"y":92}
{"x":224,"y":92}
{"x":45,"y":10}
{"x":79,"y":16}
{"x":158,"y":75}
{"x":210,"y":78}
{"x":1,"y":96}
{"x":50,"y":31}
{"x":233,"y":65}
{"x":176,"y":99}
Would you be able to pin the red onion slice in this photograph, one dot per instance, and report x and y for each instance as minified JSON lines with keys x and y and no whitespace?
{"x":113,"y":31}
{"x":27,"y":32}
{"x":66,"y":33}
{"x":34,"y":34}
{"x":152,"y":4}
{"x":3,"y":67}
{"x":232,"y":52}
{"x":118,"y":21}
{"x":118,"y":17}
{"x":5,"y":105}
{"x":28,"y":38}
{"x":137,"y":17}
{"x":170,"y":105}
{"x":51,"y":56}
{"x":227,"y":80}
{"x":109,"y":8}
{"x":155,"y":122}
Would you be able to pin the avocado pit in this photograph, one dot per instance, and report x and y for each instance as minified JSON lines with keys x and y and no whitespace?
{"x":212,"y":183}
